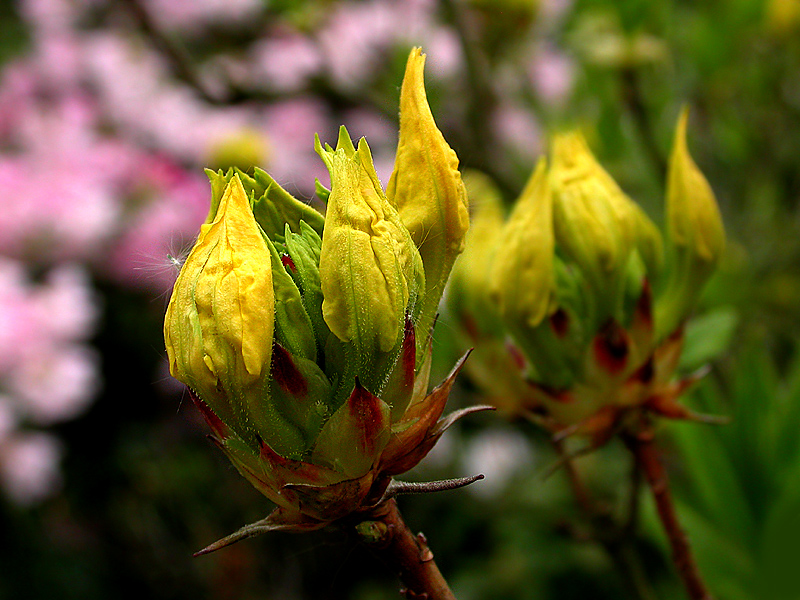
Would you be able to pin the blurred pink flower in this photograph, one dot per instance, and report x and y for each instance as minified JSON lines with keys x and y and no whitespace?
{"x":29,"y":466}
{"x":47,"y":374}
{"x":149,"y":108}
{"x":55,"y":385}
{"x":290,"y":127}
{"x":381,"y":133}
{"x":359,"y":34}
{"x":48,"y":16}
{"x":552,"y":75}
{"x":65,"y":306}
{"x":172,"y":204}
{"x":354,"y":38}
{"x":519,"y":130}
{"x":284,"y":63}
{"x":195,"y":15}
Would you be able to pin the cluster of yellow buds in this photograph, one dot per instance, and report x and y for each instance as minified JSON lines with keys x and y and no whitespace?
{"x":305,"y":340}
{"x":574,"y":302}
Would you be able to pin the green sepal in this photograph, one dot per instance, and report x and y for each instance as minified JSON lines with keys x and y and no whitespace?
{"x":555,"y":348}
{"x":304,"y":249}
{"x":293,"y":328}
{"x":321,"y":191}
{"x":301,"y":392}
{"x":219,"y":181}
{"x":354,"y":437}
{"x":247,"y":461}
{"x":273,"y":206}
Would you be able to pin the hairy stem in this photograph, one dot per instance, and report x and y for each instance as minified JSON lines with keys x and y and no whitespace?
{"x":643,"y":447}
{"x":387,"y":534}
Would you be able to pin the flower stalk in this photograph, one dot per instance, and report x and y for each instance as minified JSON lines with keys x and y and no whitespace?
{"x":385,"y":532}
{"x":642,"y":445}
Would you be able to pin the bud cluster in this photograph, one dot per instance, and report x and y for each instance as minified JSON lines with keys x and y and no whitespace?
{"x":575,"y":303}
{"x":305,"y":339}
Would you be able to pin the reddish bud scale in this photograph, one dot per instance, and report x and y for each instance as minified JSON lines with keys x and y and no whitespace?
{"x":409,"y":353}
{"x":516,"y":356}
{"x":643,"y":313}
{"x":611,"y":347}
{"x":308,"y":473}
{"x":366,"y":412}
{"x":214,"y":422}
{"x":559,"y":322}
{"x":288,"y":263}
{"x":644,"y":374}
{"x":470,"y":326}
{"x":286,"y":374}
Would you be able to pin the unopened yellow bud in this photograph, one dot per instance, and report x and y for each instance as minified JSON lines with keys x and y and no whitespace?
{"x":522,"y":273}
{"x":595,"y":222}
{"x":695,"y":233}
{"x":370,"y":269}
{"x":426,"y":187}
{"x":219,"y":323}
{"x":472,"y":270}
{"x":694,"y":223}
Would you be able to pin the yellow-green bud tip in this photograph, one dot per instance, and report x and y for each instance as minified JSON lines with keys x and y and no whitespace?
{"x":693,"y":218}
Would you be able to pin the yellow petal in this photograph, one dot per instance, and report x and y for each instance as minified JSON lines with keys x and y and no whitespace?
{"x":370,"y":269}
{"x":426,"y":186}
{"x":522,"y":272}
{"x":472,"y":270}
{"x":219,"y":324}
{"x":693,"y":218}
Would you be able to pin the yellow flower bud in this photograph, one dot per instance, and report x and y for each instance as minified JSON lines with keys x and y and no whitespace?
{"x":472,"y":270}
{"x":595,"y":222}
{"x":370,"y":269}
{"x":695,"y":233}
{"x":219,"y":323}
{"x":694,"y":223}
{"x":522,"y":273}
{"x":426,"y":187}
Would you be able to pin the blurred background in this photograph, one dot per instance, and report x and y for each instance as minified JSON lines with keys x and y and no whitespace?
{"x":110,"y":109}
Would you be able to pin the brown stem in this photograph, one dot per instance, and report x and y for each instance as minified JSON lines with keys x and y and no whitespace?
{"x":644,"y":449}
{"x":575,"y":482}
{"x":387,"y":534}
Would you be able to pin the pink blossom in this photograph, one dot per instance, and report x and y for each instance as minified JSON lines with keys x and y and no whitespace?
{"x":194,"y":15}
{"x":290,"y":127}
{"x":381,"y":133}
{"x":148,"y":106}
{"x":56,"y":386}
{"x":552,"y":75}
{"x":285,"y":63}
{"x":518,"y":128}
{"x":173,"y":205}
{"x":29,"y":466}
{"x":49,"y":16}
{"x":46,"y":372}
{"x":65,"y":305}
{"x":354,"y":38}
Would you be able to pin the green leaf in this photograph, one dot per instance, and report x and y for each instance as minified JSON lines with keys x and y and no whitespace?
{"x":708,"y":336}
